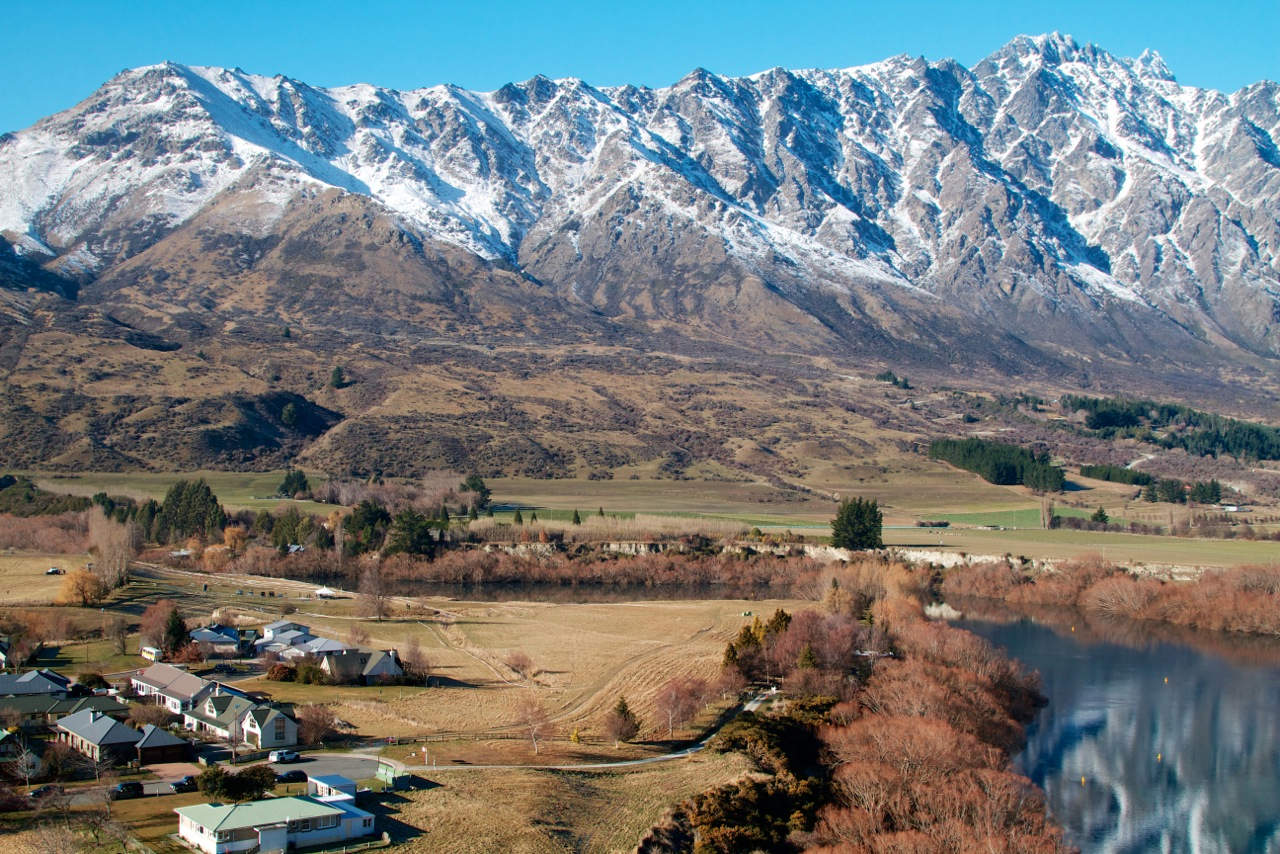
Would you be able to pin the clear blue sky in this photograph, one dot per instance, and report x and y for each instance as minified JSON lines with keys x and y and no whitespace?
{"x":52,"y":55}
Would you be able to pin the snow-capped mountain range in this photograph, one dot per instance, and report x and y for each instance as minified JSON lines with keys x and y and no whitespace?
{"x":1079,"y":202}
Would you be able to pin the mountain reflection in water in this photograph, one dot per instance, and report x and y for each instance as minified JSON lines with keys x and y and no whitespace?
{"x":1132,"y":762}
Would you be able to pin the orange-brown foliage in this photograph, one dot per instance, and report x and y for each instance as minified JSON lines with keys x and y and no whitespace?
{"x":65,"y":533}
{"x":1244,"y":599}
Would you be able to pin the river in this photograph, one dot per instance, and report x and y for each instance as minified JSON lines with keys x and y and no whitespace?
{"x":1155,"y":739}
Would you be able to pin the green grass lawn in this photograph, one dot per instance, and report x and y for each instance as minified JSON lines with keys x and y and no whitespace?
{"x":1025,"y":518}
{"x":1036,"y":543}
{"x":235,"y":490}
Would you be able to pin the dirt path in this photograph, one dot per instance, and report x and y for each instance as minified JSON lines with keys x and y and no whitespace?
{"x":753,"y":704}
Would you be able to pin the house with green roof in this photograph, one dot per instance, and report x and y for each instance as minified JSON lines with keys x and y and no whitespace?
{"x":273,"y":825}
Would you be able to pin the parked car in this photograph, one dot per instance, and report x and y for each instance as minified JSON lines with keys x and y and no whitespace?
{"x":126,"y":790}
{"x":186,"y":784}
{"x":44,"y":792}
{"x":283,"y":756}
{"x":293,"y":775}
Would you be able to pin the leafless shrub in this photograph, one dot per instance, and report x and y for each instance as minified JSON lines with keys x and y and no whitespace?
{"x":316,"y":723}
{"x":520,"y":662}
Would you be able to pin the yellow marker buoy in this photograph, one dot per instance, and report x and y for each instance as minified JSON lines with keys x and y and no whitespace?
{"x":1158,"y":755}
{"x":1081,"y":781}
{"x":1166,"y":680}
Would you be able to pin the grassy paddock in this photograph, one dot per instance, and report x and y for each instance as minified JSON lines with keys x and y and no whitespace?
{"x":1072,"y":544}
{"x":236,"y":490}
{"x":547,"y":811}
{"x":23,"y":579}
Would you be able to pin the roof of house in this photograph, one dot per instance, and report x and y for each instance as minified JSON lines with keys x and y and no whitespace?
{"x":349,"y":663}
{"x":32,"y":682}
{"x":218,"y":817}
{"x":215,"y":634}
{"x":225,"y":709}
{"x":319,"y":645}
{"x":153,"y":736}
{"x":281,"y":625}
{"x":97,"y":728}
{"x":264,"y":714}
{"x":333,"y":781}
{"x":171,"y":681}
{"x":71,"y":705}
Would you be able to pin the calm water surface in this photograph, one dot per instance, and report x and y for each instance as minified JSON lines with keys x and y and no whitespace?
{"x":1153,"y":741}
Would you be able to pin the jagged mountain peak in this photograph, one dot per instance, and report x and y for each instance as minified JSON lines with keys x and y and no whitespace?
{"x":1051,"y":180}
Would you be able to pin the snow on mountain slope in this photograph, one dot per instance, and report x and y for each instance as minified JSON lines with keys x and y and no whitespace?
{"x":1052,"y":177}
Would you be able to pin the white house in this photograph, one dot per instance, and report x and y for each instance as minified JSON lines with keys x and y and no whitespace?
{"x":171,"y":687}
{"x":273,"y":825}
{"x":236,"y":717}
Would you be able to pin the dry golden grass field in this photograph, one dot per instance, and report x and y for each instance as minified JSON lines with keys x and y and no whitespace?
{"x":585,"y":657}
{"x":23,"y":578}
{"x":531,"y":812}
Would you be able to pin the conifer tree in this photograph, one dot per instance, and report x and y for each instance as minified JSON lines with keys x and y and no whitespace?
{"x":857,"y":525}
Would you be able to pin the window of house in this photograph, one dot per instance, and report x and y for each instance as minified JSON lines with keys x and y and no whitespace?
{"x":279,"y":729}
{"x":368,"y":822}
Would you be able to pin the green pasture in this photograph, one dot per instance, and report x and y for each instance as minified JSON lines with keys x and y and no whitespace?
{"x":235,"y":490}
{"x":1037,"y":543}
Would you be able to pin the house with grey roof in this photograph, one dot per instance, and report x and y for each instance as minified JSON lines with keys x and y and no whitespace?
{"x":316,"y":646}
{"x":241,"y":719}
{"x":159,"y":745}
{"x":275,"y":824}
{"x":34,"y":682}
{"x":35,"y":711}
{"x":99,"y":736}
{"x":268,"y":727}
{"x":171,"y":686}
{"x":223,"y":640}
{"x":361,"y":666}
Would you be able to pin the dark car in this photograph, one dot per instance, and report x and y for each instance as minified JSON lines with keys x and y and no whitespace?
{"x":124,"y":791}
{"x":186,"y":784}
{"x":294,"y":775}
{"x":44,"y":792}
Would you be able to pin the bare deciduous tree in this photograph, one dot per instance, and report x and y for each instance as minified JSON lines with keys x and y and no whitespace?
{"x":114,"y":545}
{"x":532,"y":717}
{"x":56,"y":839}
{"x":678,"y":700}
{"x":141,"y":714}
{"x":315,"y":723}
{"x":373,"y":601}
{"x":621,"y":724}
{"x":116,"y":630}
{"x":521,"y":663}
{"x":414,"y":660}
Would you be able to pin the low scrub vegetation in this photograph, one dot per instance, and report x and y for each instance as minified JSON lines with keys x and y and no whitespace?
{"x":896,"y":735}
{"x":1245,"y":599}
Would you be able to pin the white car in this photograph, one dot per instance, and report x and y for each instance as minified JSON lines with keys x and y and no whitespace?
{"x":283,"y":756}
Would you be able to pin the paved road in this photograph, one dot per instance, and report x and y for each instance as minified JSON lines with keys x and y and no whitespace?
{"x":350,"y":765}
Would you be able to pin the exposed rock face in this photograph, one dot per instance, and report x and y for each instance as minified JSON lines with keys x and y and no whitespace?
{"x":1054,"y":211}
{"x":1082,"y":202}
